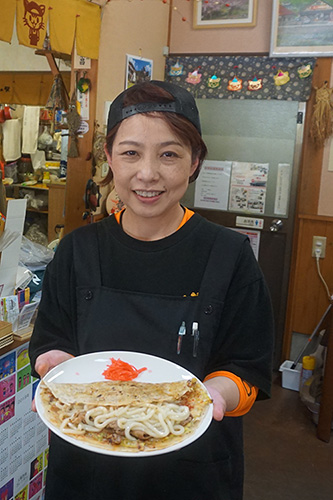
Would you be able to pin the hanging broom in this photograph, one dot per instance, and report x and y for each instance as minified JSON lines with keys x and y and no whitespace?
{"x":321,"y":122}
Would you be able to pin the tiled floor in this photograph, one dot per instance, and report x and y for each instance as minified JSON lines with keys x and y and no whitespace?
{"x":284,"y":460}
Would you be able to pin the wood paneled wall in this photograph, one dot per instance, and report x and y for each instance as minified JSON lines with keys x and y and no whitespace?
{"x":307,"y":298}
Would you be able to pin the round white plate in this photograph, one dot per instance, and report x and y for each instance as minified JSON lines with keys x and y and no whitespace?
{"x":90,"y":367}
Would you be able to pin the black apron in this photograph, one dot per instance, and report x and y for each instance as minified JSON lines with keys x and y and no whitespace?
{"x":109,"y":319}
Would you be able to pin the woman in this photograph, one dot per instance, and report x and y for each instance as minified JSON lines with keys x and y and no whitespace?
{"x":128,"y":283}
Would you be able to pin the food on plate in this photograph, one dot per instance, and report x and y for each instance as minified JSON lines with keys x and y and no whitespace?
{"x":120,"y":370}
{"x":126,"y":416}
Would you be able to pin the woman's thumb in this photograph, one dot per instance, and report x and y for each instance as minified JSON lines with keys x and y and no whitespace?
{"x":42,"y":368}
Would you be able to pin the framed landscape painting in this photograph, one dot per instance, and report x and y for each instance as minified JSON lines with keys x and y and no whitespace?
{"x":302,"y":28}
{"x":222,"y":14}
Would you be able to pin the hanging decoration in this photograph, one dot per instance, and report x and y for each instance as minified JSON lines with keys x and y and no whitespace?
{"x":176,"y":69}
{"x":74,"y":122}
{"x":114,"y":203}
{"x":255,"y":84}
{"x":194,"y":77}
{"x":235,"y":84}
{"x":281,"y":78}
{"x":321,"y":120}
{"x":304,"y":71}
{"x":214,"y":82}
{"x":84,"y":84}
{"x":58,"y":98}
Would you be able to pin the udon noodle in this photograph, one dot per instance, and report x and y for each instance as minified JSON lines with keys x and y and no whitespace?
{"x":153,"y":420}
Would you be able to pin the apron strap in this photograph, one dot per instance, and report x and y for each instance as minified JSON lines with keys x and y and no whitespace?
{"x":86,"y":257}
{"x":225,"y":249}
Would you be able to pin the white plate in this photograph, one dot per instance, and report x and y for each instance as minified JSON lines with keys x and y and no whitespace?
{"x":90,"y":367}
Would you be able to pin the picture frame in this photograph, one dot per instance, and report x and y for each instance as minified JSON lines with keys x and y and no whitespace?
{"x":302,"y":28}
{"x":138,"y":69}
{"x":219,"y":14}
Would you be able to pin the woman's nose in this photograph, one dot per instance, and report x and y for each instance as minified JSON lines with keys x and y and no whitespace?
{"x":148,"y":169}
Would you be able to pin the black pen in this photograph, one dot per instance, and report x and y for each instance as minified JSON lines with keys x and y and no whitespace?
{"x":195,"y":334}
{"x":181,"y":333}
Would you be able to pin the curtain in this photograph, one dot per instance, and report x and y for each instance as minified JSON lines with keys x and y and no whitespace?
{"x":7,"y":11}
{"x":68,"y":21}
{"x":30,"y":88}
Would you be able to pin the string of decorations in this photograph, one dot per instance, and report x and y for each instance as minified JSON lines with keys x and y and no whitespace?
{"x":249,"y":77}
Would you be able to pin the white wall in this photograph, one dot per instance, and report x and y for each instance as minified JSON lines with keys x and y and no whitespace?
{"x":15,"y":57}
{"x":138,"y":28}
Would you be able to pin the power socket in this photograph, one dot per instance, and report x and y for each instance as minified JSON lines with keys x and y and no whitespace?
{"x":319,"y":246}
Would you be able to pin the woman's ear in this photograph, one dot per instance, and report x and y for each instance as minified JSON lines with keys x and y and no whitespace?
{"x":108,"y":156}
{"x":194,"y":166}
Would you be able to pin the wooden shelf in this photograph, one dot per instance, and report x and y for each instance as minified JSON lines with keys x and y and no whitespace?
{"x":30,"y":209}
{"x":54,"y":53}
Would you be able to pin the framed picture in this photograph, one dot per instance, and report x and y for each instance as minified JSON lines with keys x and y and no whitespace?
{"x":138,"y":70}
{"x":221,"y":14}
{"x":302,"y":28}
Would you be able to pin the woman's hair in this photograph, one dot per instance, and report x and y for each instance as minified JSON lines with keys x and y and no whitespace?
{"x":182,"y":128}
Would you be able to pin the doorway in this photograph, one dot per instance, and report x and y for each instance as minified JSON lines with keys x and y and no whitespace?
{"x":266,"y":133}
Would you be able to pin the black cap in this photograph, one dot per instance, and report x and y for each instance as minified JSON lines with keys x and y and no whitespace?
{"x":183,"y":104}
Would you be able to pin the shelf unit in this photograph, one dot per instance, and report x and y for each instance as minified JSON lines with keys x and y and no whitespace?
{"x":56,"y":204}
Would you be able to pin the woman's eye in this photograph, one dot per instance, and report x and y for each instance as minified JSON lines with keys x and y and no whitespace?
{"x":170,"y":154}
{"x":129,"y":153}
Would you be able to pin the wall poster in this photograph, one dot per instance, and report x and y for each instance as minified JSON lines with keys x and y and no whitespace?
{"x":212,"y":185}
{"x":138,"y":70}
{"x":24,"y":439}
{"x":248,"y":187}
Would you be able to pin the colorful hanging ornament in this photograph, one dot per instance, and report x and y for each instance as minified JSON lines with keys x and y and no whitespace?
{"x":235,"y":84}
{"x":281,"y":78}
{"x":194,"y":77}
{"x":304,"y":71}
{"x":255,"y":84}
{"x":84,"y":84}
{"x":214,"y":82}
{"x":176,"y":69}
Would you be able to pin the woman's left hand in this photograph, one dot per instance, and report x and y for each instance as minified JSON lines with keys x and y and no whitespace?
{"x":219,"y":403}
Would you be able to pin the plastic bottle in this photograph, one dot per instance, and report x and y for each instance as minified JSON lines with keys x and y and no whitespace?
{"x":308,"y":366}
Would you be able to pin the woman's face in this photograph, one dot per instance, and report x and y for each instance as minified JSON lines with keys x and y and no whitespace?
{"x":151,"y":166}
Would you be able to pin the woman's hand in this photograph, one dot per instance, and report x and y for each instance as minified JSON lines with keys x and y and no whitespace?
{"x":46,"y":361}
{"x":219,"y":404}
{"x":225,"y":395}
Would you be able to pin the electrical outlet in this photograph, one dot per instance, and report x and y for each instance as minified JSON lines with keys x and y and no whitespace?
{"x":319,"y":243}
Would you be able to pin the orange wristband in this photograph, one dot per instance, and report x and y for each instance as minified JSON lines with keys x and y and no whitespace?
{"x":247,"y":393}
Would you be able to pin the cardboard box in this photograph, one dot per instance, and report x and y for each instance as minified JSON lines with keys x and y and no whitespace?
{"x":290,"y":377}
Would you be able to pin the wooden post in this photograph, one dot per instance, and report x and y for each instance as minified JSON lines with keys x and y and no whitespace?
{"x":79,"y":169}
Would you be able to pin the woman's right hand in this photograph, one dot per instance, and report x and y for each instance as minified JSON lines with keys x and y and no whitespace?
{"x":48,"y":360}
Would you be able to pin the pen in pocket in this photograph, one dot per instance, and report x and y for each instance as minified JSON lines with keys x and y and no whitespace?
{"x":181,"y":333}
{"x":195,"y":334}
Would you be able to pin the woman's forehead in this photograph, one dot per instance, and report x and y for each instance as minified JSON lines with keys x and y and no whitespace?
{"x":146,"y":127}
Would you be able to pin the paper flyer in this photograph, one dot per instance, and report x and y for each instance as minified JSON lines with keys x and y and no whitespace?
{"x":248,"y":187}
{"x":24,"y":438}
{"x":282,"y":189}
{"x":212,"y":185}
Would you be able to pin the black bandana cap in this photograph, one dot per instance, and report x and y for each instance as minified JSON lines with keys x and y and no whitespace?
{"x":183,"y":104}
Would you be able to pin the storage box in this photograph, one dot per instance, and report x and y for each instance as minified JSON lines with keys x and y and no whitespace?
{"x":290,"y":377}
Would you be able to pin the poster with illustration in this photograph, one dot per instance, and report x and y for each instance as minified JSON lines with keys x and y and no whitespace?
{"x":7,"y":387}
{"x":7,"y":364}
{"x":138,"y":69}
